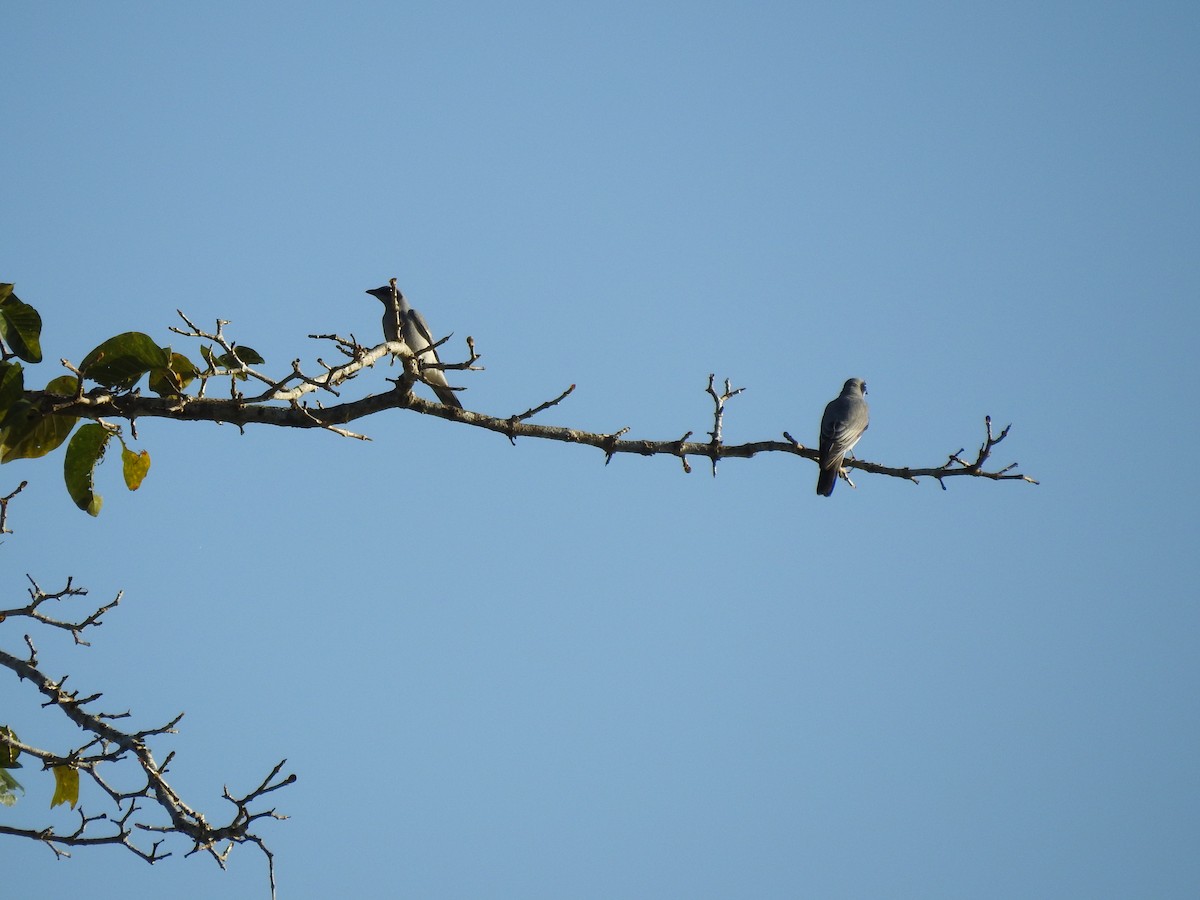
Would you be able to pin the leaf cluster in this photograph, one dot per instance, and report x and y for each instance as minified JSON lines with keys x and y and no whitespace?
{"x":118,"y":365}
{"x":66,"y":777}
{"x":8,"y":760}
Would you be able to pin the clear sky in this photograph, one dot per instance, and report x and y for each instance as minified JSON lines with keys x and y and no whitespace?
{"x":515,"y":672}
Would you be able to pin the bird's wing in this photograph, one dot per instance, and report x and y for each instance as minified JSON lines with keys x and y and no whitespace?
{"x":418,"y":328}
{"x":841,"y":427}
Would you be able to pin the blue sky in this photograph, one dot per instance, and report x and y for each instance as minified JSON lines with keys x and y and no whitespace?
{"x":515,"y":672}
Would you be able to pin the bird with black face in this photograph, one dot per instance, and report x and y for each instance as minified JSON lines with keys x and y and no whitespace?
{"x":843,"y":424}
{"x":411,"y":328}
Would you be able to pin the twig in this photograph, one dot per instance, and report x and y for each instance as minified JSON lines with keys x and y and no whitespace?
{"x":530,"y":413}
{"x":4,"y":501}
{"x":718,"y":417}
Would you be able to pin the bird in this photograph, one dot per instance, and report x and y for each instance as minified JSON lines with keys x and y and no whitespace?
{"x":843,"y":423}
{"x":414,"y":331}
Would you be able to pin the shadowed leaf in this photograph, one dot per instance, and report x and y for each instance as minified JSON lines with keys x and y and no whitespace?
{"x":122,"y":360}
{"x":8,"y":755}
{"x":20,"y":326}
{"x":171,"y":380}
{"x":63,"y":386}
{"x":247,"y":355}
{"x":27,"y":434}
{"x":12,"y":385}
{"x":79,"y":468}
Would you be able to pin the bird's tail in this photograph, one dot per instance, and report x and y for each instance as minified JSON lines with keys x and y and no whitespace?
{"x":447,"y":396}
{"x":826,"y":481}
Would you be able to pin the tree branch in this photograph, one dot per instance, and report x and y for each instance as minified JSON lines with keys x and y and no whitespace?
{"x":4,"y":501}
{"x":283,"y":404}
{"x":108,"y":745}
{"x":241,"y":412}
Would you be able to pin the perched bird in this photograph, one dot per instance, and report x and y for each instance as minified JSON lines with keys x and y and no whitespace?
{"x":414,"y":331}
{"x":843,"y":424}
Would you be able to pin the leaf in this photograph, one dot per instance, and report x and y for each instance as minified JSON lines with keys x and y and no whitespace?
{"x":63,"y":386}
{"x":122,"y":360}
{"x":79,"y":468}
{"x":20,"y":326}
{"x":9,"y":754}
{"x":21,"y":414}
{"x":27,"y":434}
{"x":66,"y":786}
{"x":135,"y":466}
{"x":178,"y":374}
{"x":7,"y":783}
{"x":247,"y":355}
{"x":242,"y":356}
{"x":12,"y":385}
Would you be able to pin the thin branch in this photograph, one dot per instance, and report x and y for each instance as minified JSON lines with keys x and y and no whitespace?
{"x":38,"y":598}
{"x":530,"y":413}
{"x":718,"y":416}
{"x":4,"y":501}
{"x":107,"y":745}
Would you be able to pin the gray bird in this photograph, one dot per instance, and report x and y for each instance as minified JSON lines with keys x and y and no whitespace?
{"x":414,"y":331}
{"x":843,"y":424}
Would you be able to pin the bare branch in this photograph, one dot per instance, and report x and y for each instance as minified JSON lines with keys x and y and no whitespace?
{"x":38,"y":597}
{"x":241,"y":412}
{"x":4,"y":501}
{"x":530,"y":413}
{"x":154,"y":807}
{"x":718,"y":416}
{"x":281,"y":404}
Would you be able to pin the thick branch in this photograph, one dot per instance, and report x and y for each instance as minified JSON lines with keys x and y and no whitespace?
{"x":282,"y":404}
{"x":102,"y":403}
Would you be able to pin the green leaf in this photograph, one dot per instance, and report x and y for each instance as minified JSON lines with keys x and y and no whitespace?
{"x":21,"y":414}
{"x":9,"y":754}
{"x":27,"y":434}
{"x":8,"y":760}
{"x":7,"y":783}
{"x":12,"y":385}
{"x":66,"y":786}
{"x":178,"y":374}
{"x":24,"y":432}
{"x":122,"y":360}
{"x":79,"y":468}
{"x":247,"y":355}
{"x":63,"y":386}
{"x":135,"y":466}
{"x":20,"y":326}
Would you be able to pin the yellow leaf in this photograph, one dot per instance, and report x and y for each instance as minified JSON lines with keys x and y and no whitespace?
{"x":66,"y":786}
{"x":135,"y":466}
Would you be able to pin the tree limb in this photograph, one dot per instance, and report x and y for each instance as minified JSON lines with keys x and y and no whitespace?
{"x":107,"y":746}
{"x":282,"y":404}
{"x":100,"y":403}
